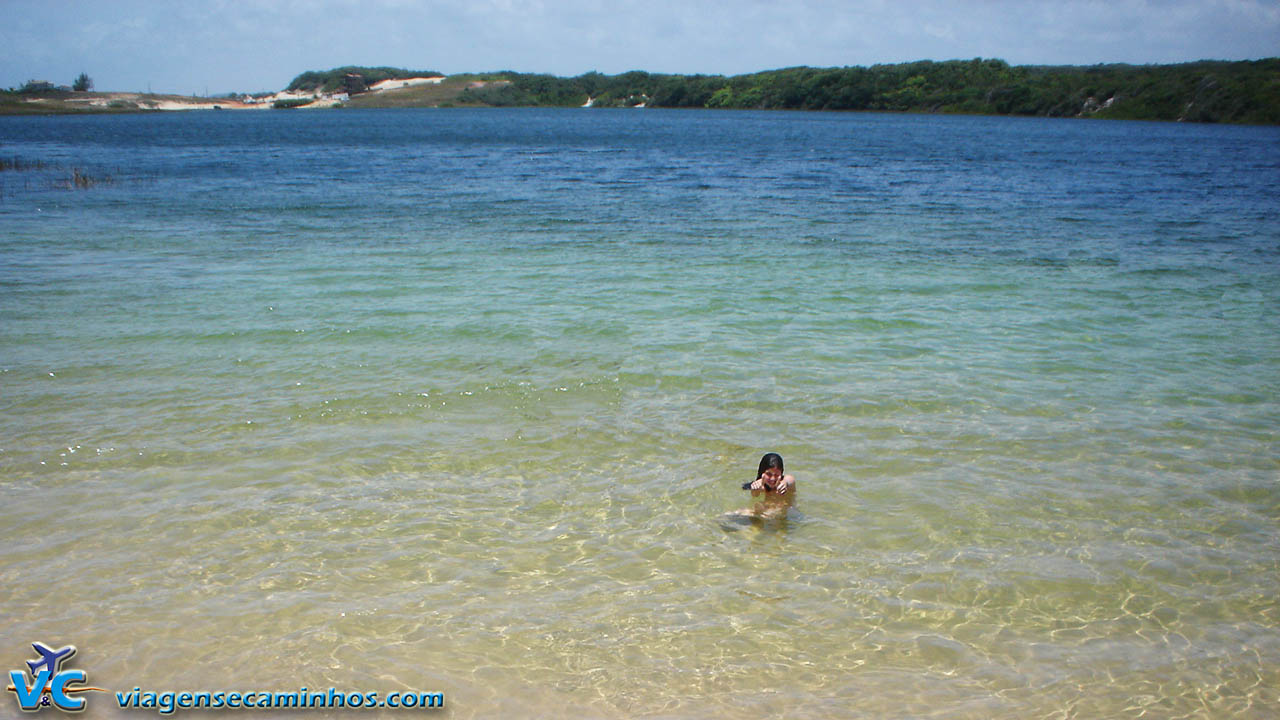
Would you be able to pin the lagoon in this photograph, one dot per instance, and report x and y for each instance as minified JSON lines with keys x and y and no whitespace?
{"x":453,"y":400}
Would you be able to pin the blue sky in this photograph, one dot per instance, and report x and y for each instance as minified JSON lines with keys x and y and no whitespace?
{"x":218,"y":46}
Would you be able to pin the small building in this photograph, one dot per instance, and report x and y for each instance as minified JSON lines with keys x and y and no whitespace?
{"x":38,"y":86}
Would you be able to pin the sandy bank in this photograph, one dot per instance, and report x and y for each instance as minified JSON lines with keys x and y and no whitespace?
{"x":398,"y":83}
{"x":142,"y":101}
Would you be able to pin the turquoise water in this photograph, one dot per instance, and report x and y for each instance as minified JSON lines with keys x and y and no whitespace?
{"x":455,"y":401}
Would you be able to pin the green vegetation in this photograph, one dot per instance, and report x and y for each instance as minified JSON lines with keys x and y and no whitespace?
{"x":291,"y":103}
{"x":1206,"y":91}
{"x":334,"y":80}
{"x":83,"y":83}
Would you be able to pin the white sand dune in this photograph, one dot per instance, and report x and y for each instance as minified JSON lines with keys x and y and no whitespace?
{"x":398,"y":83}
{"x":403,"y":82}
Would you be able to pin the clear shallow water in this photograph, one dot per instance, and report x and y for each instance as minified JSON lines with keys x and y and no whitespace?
{"x":454,"y":400}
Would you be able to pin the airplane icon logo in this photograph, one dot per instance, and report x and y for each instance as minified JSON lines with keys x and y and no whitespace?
{"x":50,"y":658}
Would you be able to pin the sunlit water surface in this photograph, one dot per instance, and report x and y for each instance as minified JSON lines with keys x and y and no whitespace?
{"x":456,"y":400}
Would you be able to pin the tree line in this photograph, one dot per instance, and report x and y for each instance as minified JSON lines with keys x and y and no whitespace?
{"x":1205,"y":91}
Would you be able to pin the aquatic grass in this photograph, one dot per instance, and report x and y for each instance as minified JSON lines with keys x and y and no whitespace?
{"x":17,"y":164}
{"x":49,"y":174}
{"x":81,"y":180}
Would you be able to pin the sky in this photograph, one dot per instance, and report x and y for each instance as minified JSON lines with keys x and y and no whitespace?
{"x":198,"y":47}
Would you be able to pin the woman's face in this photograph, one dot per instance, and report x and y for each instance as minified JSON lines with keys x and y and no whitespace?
{"x":771,"y":475}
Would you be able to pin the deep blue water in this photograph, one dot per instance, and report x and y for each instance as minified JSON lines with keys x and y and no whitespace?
{"x":953,"y":182}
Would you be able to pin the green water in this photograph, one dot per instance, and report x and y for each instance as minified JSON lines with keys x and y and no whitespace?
{"x":481,"y":439}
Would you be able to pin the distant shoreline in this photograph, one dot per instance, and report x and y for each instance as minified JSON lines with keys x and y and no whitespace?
{"x":1238,"y":92}
{"x":61,"y":102}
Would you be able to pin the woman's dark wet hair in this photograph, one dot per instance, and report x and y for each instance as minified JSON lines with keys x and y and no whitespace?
{"x":770,"y":460}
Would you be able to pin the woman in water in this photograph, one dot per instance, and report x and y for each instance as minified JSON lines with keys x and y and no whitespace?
{"x":778,"y":490}
{"x":771,"y":478}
